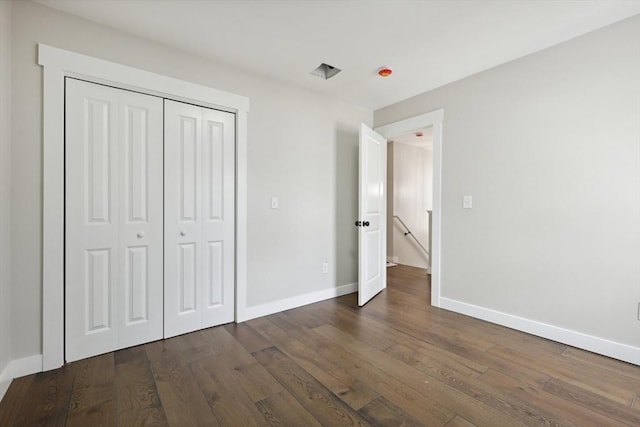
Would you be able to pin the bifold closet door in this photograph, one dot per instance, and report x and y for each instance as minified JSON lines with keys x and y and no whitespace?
{"x":113,"y":219}
{"x":199,"y":217}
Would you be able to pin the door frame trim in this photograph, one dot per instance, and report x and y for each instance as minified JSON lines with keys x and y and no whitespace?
{"x":58,"y":64}
{"x":413,"y":124}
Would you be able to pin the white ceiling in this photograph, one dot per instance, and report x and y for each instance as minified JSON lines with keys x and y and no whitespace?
{"x":427,"y":43}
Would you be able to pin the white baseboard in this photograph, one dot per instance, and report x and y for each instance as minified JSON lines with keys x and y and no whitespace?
{"x":297,"y":301}
{"x":19,"y":368}
{"x":602,"y":346}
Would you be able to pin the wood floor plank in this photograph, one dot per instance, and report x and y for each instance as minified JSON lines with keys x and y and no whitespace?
{"x":535,"y":395}
{"x":249,"y":338}
{"x":381,"y":412}
{"x":52,"y":391}
{"x":230,"y":354}
{"x":419,"y":406}
{"x":223,"y":343}
{"x":420,"y":328}
{"x":181,"y":397}
{"x":350,"y":390}
{"x":441,"y":394}
{"x":257,"y":382}
{"x":636,"y":402}
{"x":434,"y":359}
{"x":11,"y":405}
{"x":602,"y":362}
{"x":491,"y":396}
{"x":283,"y":410}
{"x":608,"y":384}
{"x":137,"y":399}
{"x":593,"y":401}
{"x":227,"y":399}
{"x":366,"y":330}
{"x":313,"y":396}
{"x":459,"y":421}
{"x":93,"y":397}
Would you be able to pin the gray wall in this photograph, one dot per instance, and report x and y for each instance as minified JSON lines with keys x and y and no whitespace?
{"x":549,"y":148}
{"x":302,"y":148}
{"x":5,"y":178}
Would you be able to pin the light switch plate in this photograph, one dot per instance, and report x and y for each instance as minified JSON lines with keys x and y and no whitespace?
{"x":467,"y":202}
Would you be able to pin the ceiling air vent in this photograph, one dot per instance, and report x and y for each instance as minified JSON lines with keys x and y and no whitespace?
{"x":325,"y":71}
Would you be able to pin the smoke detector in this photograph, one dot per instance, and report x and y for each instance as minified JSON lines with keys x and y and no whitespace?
{"x":385,"y":71}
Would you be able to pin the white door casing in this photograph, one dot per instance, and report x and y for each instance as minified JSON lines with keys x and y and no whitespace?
{"x":113,"y":220}
{"x":413,"y":124}
{"x":372,"y":240}
{"x":199,"y":217}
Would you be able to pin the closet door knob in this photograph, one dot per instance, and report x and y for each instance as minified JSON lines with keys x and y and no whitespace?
{"x":140,"y":235}
{"x":183,"y":233}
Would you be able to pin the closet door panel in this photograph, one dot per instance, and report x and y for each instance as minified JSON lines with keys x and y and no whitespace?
{"x":91,"y":221}
{"x":199,"y":217}
{"x":113,"y":219}
{"x":218,"y":154}
{"x":183,"y":218}
{"x":141,"y":219}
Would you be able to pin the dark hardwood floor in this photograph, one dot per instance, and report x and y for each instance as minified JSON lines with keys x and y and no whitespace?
{"x":395,"y":362}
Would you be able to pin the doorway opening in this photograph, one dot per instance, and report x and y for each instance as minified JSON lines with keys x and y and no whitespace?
{"x":431,"y":123}
{"x":410,"y":199}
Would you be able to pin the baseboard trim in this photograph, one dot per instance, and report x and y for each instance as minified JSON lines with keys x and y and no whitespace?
{"x":591,"y":343}
{"x":297,"y":301}
{"x":18,"y":368}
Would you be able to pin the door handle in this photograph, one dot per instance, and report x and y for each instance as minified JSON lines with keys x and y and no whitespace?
{"x":140,"y":235}
{"x":365,"y":223}
{"x":183,"y":233}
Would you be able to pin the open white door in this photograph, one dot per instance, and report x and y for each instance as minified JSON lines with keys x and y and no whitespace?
{"x":372,"y":213}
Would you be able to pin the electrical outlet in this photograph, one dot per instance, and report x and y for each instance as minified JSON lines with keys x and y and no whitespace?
{"x":325,"y":267}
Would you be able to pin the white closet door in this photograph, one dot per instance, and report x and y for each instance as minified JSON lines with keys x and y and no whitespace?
{"x":113,"y":219}
{"x":199,"y":217}
{"x":141,"y":286}
{"x":218,"y":203}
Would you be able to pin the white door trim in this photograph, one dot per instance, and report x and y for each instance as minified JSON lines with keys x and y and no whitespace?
{"x":414,"y":124}
{"x":58,"y":64}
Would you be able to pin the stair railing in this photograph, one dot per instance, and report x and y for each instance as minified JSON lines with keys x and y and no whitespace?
{"x":409,"y":233}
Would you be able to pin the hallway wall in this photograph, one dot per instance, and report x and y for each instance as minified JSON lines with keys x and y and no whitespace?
{"x":412,"y":197}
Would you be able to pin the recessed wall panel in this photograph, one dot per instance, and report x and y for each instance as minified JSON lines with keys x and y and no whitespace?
{"x":187,"y":278}
{"x":98,"y":289}
{"x":137,"y":146}
{"x":98,"y":161}
{"x":214,"y":273}
{"x":188,"y":168}
{"x":137,"y":284}
{"x":373,"y":254}
{"x":374,"y":188}
{"x":215,"y":171}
